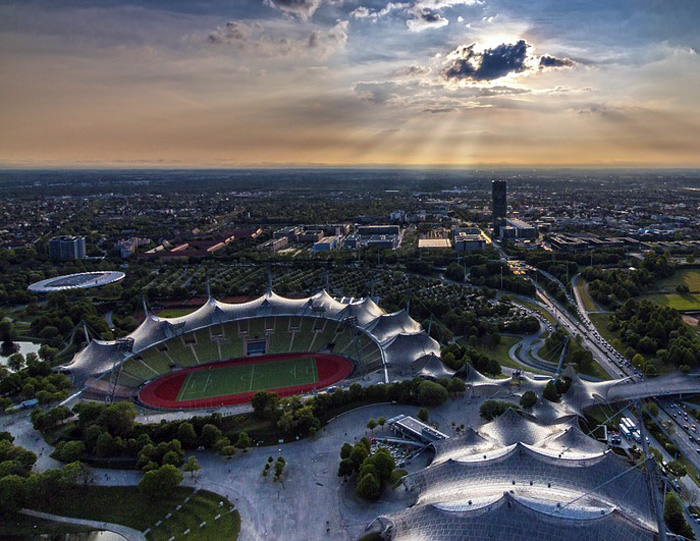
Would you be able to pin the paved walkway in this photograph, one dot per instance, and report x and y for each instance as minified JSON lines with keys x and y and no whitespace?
{"x":127,"y":533}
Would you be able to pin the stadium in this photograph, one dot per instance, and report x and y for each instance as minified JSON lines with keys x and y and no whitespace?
{"x":81,"y":280}
{"x":223,"y":353}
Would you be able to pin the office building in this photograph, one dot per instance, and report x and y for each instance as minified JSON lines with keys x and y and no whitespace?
{"x":500,"y":206}
{"x":66,"y":248}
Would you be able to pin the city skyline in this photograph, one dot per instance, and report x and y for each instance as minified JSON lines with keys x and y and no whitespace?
{"x":349,"y":83}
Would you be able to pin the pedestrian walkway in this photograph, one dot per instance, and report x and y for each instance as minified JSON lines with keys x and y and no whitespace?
{"x":127,"y":533}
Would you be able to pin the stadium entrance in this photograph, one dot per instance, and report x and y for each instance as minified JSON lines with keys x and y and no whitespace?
{"x":256,"y":347}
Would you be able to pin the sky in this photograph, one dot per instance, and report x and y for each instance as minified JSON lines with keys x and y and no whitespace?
{"x":239,"y":83}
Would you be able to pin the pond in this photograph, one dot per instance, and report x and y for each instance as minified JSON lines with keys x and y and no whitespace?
{"x":24,"y":348}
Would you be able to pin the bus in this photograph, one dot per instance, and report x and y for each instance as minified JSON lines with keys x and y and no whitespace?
{"x":624,"y":431}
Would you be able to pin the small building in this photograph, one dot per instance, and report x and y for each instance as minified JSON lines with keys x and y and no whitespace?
{"x":369,"y":230}
{"x":434,"y":244}
{"x":310,"y":235}
{"x":416,"y":430}
{"x":523,"y":230}
{"x":274,"y":245}
{"x":291,"y":233}
{"x":469,"y":242}
{"x":326,"y":244}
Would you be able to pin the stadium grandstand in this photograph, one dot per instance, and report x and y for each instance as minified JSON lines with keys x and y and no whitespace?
{"x":270,"y":325}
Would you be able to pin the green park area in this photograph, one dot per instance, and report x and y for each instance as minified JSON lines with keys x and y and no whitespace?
{"x":130,"y":507}
{"x":588,"y":302}
{"x":683,"y":302}
{"x":685,"y":277}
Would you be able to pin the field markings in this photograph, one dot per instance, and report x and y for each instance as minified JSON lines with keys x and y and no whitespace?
{"x":314,"y":368}
{"x":252,"y":371}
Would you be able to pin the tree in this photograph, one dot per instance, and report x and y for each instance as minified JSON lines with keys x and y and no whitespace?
{"x":192,"y":466}
{"x":265,"y":404}
{"x":456,"y":385}
{"x":187,"y":435}
{"x":16,"y":362}
{"x":431,"y":393}
{"x":423,"y":414}
{"x":381,"y":421}
{"x":47,"y":353}
{"x":455,"y":272}
{"x":279,"y":467}
{"x":345,"y":451}
{"x":164,"y":480}
{"x":7,"y":333}
{"x":346,"y":467}
{"x":491,"y":409}
{"x":674,"y":517}
{"x":372,"y":424}
{"x":368,"y":488}
{"x":118,"y":418}
{"x":676,"y":468}
{"x":359,"y":455}
{"x":528,"y":399}
{"x":550,"y":392}
{"x":12,"y":494}
{"x":383,"y":462}
{"x":210,"y":434}
{"x":69,"y":451}
{"x":244,"y":441}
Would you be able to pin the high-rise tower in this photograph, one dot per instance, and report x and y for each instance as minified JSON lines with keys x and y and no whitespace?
{"x":498,"y":193}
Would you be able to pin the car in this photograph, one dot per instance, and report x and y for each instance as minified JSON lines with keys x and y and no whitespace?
{"x":698,"y":450}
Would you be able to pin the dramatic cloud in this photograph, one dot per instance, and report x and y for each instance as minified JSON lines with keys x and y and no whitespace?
{"x":547,"y":61}
{"x":327,"y":42}
{"x":425,"y":19}
{"x":411,"y":71}
{"x":254,"y":38}
{"x":300,"y":8}
{"x":490,"y":64}
{"x":439,"y":4}
{"x":366,"y":13}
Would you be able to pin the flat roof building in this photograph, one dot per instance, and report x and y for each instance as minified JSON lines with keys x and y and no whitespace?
{"x":66,"y":248}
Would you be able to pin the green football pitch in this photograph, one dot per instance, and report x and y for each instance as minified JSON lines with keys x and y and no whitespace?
{"x":246,"y":378}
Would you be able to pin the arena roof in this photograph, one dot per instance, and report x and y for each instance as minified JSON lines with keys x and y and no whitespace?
{"x":81,"y":280}
{"x":514,"y":478}
{"x":401,"y":339}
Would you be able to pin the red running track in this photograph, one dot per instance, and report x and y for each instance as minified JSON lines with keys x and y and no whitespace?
{"x":162,"y":393}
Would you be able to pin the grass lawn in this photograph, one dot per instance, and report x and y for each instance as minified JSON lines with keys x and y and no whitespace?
{"x":688,"y":277}
{"x":588,"y":302}
{"x":234,"y":379}
{"x":126,"y":506}
{"x":596,"y":371}
{"x":20,"y":527}
{"x":175,"y":312}
{"x":681,"y":302}
{"x":601,"y":322}
{"x":500,"y":352}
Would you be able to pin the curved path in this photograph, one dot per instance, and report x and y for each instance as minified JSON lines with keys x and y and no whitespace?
{"x":127,"y":533}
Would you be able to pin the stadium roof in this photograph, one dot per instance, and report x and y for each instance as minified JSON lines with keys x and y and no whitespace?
{"x":400,"y":338}
{"x":514,"y":478}
{"x":81,"y":280}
